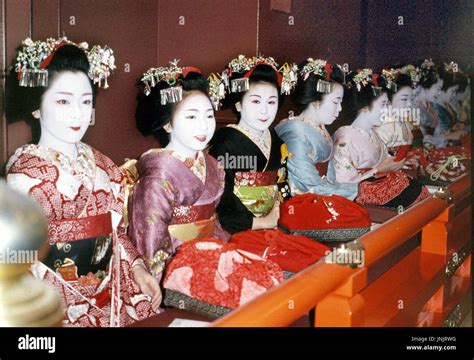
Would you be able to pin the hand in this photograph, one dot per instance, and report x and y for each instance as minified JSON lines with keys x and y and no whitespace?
{"x":148,"y":285}
{"x":269,"y":221}
{"x":389,"y":164}
{"x":455,"y":135}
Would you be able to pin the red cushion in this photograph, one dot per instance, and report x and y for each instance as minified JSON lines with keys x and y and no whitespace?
{"x":291,"y":252}
{"x":319,"y":212}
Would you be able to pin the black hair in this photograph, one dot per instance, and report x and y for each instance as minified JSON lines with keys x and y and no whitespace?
{"x":401,"y":81}
{"x":428,"y":77}
{"x":21,"y":101}
{"x":355,"y":100}
{"x":463,"y":82}
{"x":151,"y":116}
{"x":262,"y":73}
{"x":305,"y":91}
{"x":450,"y":78}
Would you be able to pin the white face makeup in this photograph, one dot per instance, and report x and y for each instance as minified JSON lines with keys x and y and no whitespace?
{"x":448,"y":96}
{"x":66,"y":108}
{"x":328,"y":109}
{"x":378,"y":109}
{"x":431,"y":94}
{"x":193,"y":124}
{"x":259,"y":106}
{"x":402,"y":99}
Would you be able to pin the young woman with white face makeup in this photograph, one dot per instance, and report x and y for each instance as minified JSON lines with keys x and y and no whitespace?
{"x":179,"y":185}
{"x":396,"y":130}
{"x":318,"y":96}
{"x":80,"y":191}
{"x":360,"y":157}
{"x":444,"y":106}
{"x":249,"y":150}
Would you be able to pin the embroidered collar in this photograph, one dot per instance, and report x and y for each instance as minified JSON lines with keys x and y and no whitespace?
{"x":263,"y":142}
{"x":82,"y":168}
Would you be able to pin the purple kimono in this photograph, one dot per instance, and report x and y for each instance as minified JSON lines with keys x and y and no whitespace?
{"x":171,"y":204}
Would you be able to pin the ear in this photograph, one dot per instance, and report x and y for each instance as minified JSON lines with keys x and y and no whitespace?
{"x":238,"y":106}
{"x":36,"y":114}
{"x":365,"y":109}
{"x":167,"y":128}
{"x":316,"y":105}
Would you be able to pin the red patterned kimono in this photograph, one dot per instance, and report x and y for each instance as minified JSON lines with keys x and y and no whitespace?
{"x":90,"y":258}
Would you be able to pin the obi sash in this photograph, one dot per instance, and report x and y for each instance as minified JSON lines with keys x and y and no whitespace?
{"x":322,"y":168}
{"x":80,"y":246}
{"x":257,"y":190}
{"x":192,"y":222}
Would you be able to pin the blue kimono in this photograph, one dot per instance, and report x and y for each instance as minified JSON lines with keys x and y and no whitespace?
{"x":309,"y":145}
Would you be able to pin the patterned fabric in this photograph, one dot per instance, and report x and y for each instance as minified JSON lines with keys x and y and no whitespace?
{"x":255,"y":178}
{"x":444,"y":164}
{"x":292,"y":253}
{"x":391,"y":189}
{"x":217,"y":273}
{"x":165,"y":191}
{"x":69,"y":190}
{"x":310,"y":145}
{"x":264,"y":142}
{"x":259,"y":200}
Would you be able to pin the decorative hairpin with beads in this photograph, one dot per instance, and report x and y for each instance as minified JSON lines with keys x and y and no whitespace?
{"x":216,"y":89}
{"x":319,"y":68}
{"x":428,"y":66}
{"x":390,"y":76}
{"x":412,"y":71}
{"x":170,"y":75}
{"x":35,"y":56}
{"x":286,"y":74}
{"x":366,"y":77}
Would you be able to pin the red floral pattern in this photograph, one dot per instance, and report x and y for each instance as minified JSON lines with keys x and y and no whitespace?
{"x":215,"y":272}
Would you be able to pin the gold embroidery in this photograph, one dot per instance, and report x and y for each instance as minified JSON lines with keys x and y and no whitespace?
{"x":153,"y":217}
{"x":157,"y":262}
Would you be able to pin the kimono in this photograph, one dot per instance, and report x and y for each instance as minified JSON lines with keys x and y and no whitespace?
{"x":250,"y":175}
{"x":173,"y":201}
{"x":310,"y":147}
{"x":355,"y":157}
{"x":90,"y":256}
{"x":430,"y":127}
{"x":395,"y":135}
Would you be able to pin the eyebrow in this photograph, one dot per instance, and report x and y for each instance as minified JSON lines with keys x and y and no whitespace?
{"x":71,"y":94}
{"x":196,"y":110}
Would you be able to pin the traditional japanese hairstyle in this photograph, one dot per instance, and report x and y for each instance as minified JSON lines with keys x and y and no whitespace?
{"x":39,"y":62}
{"x":160,"y":91}
{"x":429,"y":73}
{"x":396,"y":79}
{"x":243,"y":71}
{"x":37,"y":59}
{"x":450,"y":74}
{"x":364,"y":87}
{"x":315,"y":78}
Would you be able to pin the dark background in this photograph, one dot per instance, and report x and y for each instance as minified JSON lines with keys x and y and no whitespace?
{"x":146,"y":33}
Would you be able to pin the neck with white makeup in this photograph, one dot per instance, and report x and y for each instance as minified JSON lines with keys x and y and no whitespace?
{"x":49,"y":141}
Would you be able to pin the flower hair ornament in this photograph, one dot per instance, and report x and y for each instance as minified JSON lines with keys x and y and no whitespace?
{"x":320,"y":68}
{"x":366,"y":77}
{"x":216,"y":90}
{"x":170,"y":74}
{"x":391,"y":76}
{"x":428,"y":66}
{"x":412,"y":71}
{"x":34,"y":57}
{"x":286,"y":74}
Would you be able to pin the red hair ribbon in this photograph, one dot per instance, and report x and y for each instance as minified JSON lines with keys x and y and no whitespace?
{"x":189,"y":69}
{"x":375,"y":78}
{"x":44,"y":64}
{"x":279,"y":75}
{"x":328,"y":68}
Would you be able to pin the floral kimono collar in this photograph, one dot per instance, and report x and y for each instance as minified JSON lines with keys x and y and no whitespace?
{"x":82,"y":168}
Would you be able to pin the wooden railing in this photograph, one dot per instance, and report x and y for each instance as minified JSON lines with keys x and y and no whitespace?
{"x":428,"y":286}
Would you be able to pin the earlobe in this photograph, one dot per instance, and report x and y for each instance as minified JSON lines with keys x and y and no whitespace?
{"x":36,"y":114}
{"x":238,"y":106}
{"x":167,"y":128}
